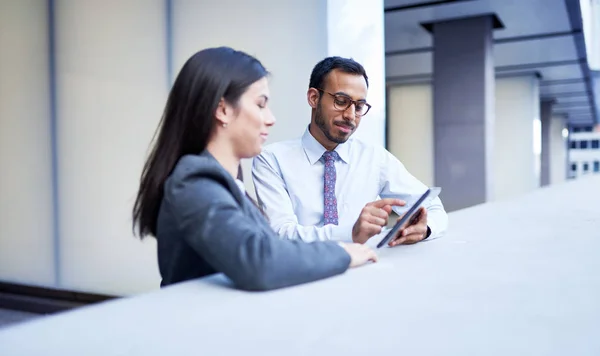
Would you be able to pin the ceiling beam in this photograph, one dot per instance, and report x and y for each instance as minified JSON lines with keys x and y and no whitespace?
{"x":574,"y":114}
{"x":570,"y":94}
{"x":421,"y":5}
{"x":538,"y":36}
{"x":583,"y":121}
{"x":572,"y":104}
{"x":562,"y":81}
{"x":496,"y":41}
{"x":574,"y":13}
{"x":586,"y":107}
{"x":539,"y":65}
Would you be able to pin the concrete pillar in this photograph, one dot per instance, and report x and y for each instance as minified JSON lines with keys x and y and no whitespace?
{"x":558,"y":149}
{"x":463,"y":102}
{"x":517,"y":136}
{"x":546,"y":120}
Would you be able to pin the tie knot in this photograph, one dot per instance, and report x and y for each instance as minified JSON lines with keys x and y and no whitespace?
{"x":330,"y":156}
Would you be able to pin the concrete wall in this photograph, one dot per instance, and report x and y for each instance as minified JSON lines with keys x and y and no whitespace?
{"x":286,"y":52}
{"x":410,"y":129}
{"x":26,"y":218}
{"x":111,"y":87}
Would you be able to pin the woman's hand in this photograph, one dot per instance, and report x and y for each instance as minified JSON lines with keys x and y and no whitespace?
{"x":359,"y":254}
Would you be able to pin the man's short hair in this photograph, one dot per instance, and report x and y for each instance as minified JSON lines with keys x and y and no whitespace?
{"x":324,"y":67}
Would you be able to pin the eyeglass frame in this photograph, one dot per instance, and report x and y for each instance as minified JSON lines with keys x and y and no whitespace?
{"x":351,"y":102}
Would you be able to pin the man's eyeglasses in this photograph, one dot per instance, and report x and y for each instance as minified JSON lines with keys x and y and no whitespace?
{"x":342,"y":103}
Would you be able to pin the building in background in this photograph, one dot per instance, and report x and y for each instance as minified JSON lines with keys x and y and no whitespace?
{"x":584,"y":151}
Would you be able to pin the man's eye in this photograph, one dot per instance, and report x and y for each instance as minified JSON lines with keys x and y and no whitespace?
{"x":341,"y":101}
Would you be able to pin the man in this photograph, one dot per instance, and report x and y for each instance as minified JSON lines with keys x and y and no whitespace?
{"x":325,"y":185}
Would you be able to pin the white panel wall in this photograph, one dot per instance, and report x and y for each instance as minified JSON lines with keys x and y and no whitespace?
{"x":516,"y":165}
{"x":558,"y":150}
{"x":410,"y":129}
{"x":288,"y":37}
{"x":112,"y":86}
{"x":26,"y":219}
{"x":362,"y":40}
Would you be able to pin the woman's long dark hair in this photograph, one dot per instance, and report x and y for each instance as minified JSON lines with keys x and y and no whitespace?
{"x":189,"y":120}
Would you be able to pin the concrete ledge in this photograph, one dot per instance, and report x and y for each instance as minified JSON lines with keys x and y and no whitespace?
{"x":517,"y":277}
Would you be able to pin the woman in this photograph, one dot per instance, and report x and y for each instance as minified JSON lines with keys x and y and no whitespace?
{"x":217,"y":113}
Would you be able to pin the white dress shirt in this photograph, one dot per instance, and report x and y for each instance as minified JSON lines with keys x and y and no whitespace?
{"x":288,"y":177}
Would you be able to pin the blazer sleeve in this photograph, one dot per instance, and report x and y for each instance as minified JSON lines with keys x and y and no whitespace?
{"x":250,"y":254}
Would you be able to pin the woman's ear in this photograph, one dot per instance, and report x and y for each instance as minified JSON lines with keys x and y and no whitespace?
{"x":313,"y":97}
{"x":222,"y":113}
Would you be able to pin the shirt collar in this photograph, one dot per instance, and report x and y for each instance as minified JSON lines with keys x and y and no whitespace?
{"x":314,"y":150}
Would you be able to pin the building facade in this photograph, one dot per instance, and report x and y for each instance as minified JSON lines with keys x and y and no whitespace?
{"x":584,"y":151}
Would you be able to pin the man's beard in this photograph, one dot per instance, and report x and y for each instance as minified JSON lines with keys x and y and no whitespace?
{"x":320,"y":121}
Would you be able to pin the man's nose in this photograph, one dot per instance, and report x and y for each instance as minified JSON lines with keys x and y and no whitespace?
{"x":350,"y":112}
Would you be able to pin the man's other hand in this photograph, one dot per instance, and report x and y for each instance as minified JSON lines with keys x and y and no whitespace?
{"x":415,"y":231}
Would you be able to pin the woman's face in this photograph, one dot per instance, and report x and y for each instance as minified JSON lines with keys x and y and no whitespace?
{"x":250,"y":128}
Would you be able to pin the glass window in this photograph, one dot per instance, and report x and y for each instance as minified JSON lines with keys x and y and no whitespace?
{"x":576,"y":129}
{"x":595,"y":143}
{"x":597,"y":166}
{"x":583,"y":144}
{"x":587,"y":129}
{"x":586,"y":167}
{"x":573,"y":167}
{"x":573,"y":144}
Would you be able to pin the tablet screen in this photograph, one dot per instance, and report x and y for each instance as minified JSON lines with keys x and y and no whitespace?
{"x":408,"y":215}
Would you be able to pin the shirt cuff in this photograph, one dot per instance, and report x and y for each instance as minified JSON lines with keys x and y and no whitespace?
{"x":432,"y":230}
{"x":428,"y":232}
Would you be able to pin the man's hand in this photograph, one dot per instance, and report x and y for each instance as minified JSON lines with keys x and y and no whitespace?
{"x":373,"y":217}
{"x":414,"y":232}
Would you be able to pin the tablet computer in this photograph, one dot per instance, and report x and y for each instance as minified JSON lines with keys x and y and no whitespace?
{"x":409,"y":215}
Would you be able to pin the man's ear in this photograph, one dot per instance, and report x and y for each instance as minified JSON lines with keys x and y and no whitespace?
{"x":313,"y":96}
{"x":222,"y":112}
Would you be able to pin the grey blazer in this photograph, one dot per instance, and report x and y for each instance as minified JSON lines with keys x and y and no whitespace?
{"x":206,"y":225}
